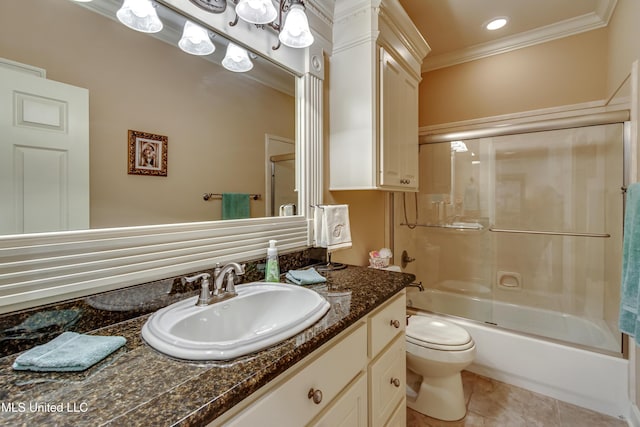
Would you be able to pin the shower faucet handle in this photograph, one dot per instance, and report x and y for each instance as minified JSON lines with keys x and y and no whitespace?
{"x":406,"y":259}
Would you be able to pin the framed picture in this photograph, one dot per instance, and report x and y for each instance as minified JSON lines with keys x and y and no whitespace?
{"x":147,"y":154}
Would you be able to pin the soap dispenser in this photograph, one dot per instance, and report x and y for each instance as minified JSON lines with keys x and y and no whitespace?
{"x":272,"y":273}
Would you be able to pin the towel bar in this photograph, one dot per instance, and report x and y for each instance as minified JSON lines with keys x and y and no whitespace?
{"x":209,"y":196}
{"x":550,"y":233}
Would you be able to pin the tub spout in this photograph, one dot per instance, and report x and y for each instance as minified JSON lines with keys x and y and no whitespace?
{"x":416,"y":285}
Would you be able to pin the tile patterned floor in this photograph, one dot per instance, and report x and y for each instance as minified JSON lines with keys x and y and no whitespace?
{"x":492,"y":403}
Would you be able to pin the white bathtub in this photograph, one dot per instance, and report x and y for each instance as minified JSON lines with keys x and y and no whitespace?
{"x":479,"y":306}
{"x":581,"y":377}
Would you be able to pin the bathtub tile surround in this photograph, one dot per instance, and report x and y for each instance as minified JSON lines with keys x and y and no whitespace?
{"x":491,"y":403}
{"x":22,"y":330}
{"x":139,"y":386}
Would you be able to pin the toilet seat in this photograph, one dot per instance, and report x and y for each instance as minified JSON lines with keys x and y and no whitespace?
{"x":437,"y":334}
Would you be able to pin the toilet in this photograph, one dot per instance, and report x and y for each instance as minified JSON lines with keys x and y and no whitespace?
{"x":437,"y":351}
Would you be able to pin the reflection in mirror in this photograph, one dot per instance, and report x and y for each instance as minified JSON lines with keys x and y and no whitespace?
{"x":281,"y":201}
{"x":215,"y":121}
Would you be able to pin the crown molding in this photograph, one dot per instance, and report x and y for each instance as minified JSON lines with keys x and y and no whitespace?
{"x":587,"y":22}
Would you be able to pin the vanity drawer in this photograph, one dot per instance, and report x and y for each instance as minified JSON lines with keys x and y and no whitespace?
{"x":290,"y":404}
{"x":387,"y":323}
{"x":387,"y":388}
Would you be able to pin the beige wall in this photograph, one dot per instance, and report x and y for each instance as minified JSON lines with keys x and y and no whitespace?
{"x":623,"y":42}
{"x":565,"y":71}
{"x":367,"y":217}
{"x":151,"y":86}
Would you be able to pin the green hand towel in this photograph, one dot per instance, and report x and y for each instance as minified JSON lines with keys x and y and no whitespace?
{"x":305,"y":277}
{"x":235,"y":206}
{"x":69,"y":351}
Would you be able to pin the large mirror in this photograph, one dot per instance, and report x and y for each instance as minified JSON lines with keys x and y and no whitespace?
{"x":223,"y":129}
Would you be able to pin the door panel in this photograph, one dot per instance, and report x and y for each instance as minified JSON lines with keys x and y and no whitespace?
{"x":44,"y":154}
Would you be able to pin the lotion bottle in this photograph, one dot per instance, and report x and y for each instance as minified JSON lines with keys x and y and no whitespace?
{"x":272,"y":273}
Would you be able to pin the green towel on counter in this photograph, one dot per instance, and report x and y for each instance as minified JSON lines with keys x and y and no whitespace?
{"x":68,"y":352}
{"x":305,"y":277}
{"x":235,"y":206}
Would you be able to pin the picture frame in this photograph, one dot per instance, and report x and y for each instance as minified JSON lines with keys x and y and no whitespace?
{"x":147,"y":153}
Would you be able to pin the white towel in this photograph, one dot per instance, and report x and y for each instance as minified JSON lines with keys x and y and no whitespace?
{"x":333,"y":228}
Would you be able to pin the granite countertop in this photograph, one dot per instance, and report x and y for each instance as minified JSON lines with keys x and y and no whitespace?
{"x":137,"y":386}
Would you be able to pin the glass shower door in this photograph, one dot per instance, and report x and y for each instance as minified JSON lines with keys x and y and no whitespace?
{"x":522,"y":231}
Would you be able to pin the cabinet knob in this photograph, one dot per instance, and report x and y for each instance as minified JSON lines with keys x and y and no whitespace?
{"x":395,"y":382}
{"x":316,"y":395}
{"x":395,"y":323}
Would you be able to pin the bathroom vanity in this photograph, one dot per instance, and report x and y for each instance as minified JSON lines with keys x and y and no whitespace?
{"x":355,"y":377}
{"x":353,"y":359}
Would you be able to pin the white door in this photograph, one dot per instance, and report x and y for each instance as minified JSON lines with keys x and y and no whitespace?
{"x":44,"y":154}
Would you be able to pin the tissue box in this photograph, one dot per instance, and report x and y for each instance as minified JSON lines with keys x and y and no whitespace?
{"x":379,"y":262}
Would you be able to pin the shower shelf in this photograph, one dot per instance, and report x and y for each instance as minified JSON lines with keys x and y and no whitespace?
{"x":549,"y":233}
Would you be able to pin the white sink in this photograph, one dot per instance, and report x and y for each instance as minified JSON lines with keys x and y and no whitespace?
{"x":263,"y":314}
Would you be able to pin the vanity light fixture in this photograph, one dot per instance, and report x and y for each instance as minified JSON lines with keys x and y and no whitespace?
{"x":496,"y":23}
{"x":140,"y":15}
{"x":236,"y":59}
{"x":293,"y":30}
{"x":195,"y":40}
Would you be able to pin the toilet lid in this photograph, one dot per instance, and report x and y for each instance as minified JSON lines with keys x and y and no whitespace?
{"x":437,"y":334}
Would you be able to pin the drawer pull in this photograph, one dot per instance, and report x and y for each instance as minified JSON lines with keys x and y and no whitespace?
{"x":316,"y":395}
{"x":395,"y":382}
{"x":395,"y":323}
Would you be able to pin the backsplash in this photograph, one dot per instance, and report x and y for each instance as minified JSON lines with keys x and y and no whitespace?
{"x":22,"y":330}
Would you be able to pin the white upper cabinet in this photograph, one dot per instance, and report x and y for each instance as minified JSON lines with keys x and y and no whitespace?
{"x":374,"y":77}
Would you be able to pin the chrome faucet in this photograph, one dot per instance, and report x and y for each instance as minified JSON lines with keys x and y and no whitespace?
{"x":219,"y":293}
{"x":230,"y":271}
{"x":205,"y":294}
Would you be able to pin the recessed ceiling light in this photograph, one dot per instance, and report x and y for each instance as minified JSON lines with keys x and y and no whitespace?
{"x":496,"y":24}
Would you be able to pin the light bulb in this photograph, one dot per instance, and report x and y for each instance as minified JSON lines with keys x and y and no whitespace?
{"x":496,"y":24}
{"x":139,"y":15}
{"x":295,"y":31}
{"x":256,"y":11}
{"x":237,"y":59}
{"x":195,"y":40}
